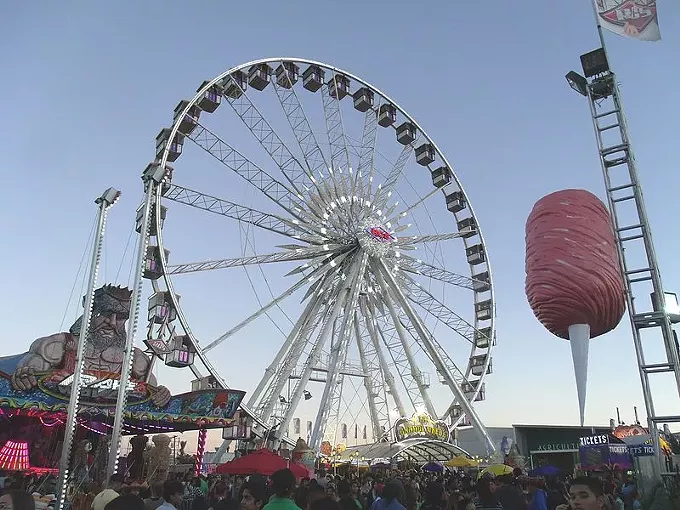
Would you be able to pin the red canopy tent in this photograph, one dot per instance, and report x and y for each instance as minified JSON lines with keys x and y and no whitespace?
{"x":261,"y":462}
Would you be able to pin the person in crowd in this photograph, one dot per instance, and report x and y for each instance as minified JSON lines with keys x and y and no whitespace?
{"x":283,"y":485}
{"x":325,"y":503}
{"x":156,"y":498}
{"x":126,"y":502}
{"x":253,"y":495}
{"x":538,"y":498}
{"x":110,"y":493}
{"x":585,"y":493}
{"x":509,"y":495}
{"x":345,"y":499}
{"x":635,"y":500}
{"x":219,"y":496}
{"x":410,"y":496}
{"x":487,"y":499}
{"x":392,"y":492}
{"x":173,"y":494}
{"x":314,"y":492}
{"x":17,"y":500}
{"x":434,"y":497}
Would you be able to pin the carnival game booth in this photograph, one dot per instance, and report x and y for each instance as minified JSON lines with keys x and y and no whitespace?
{"x":419,"y":441}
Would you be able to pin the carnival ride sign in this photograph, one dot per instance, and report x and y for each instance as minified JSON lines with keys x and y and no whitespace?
{"x":421,"y":426}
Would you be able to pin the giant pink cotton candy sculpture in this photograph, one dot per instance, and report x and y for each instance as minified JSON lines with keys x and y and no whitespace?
{"x":573,"y":279}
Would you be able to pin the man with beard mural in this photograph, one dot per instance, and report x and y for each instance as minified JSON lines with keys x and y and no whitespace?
{"x":104,"y":349}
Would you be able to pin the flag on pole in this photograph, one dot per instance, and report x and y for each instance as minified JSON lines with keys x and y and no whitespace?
{"x":636,"y":19}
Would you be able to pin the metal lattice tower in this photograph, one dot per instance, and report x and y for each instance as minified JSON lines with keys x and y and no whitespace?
{"x":645,"y":293}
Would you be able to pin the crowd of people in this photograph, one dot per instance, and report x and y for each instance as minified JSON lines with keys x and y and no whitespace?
{"x":394,"y":490}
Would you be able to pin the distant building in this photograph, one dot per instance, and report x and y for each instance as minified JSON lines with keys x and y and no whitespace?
{"x":556,"y":445}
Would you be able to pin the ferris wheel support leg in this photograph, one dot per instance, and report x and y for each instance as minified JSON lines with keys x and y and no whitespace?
{"x":298,"y":339}
{"x":313,"y":357}
{"x":72,"y":414}
{"x":150,"y":182}
{"x":338,"y":353}
{"x":270,"y":371}
{"x":386,"y":277}
{"x":289,"y":347}
{"x":387,"y":373}
{"x":415,"y":371}
{"x":368,"y":379}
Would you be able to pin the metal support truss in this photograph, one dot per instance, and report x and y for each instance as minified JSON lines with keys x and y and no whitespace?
{"x":374,"y":382}
{"x":338,"y":354}
{"x":296,"y":174}
{"x":219,"y":149}
{"x":239,"y":212}
{"x":341,"y":289}
{"x":368,"y":313}
{"x":388,"y":282}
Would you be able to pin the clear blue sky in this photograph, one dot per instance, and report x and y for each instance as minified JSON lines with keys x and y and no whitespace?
{"x":87,"y":86}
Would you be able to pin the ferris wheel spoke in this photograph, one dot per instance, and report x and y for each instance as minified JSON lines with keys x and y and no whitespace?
{"x":339,"y":353}
{"x":426,"y":339}
{"x":274,"y":302}
{"x":453,"y":367}
{"x":384,"y":190}
{"x":387,"y":332}
{"x":372,"y":328}
{"x":282,"y":367}
{"x":442,"y":313}
{"x":417,"y":374}
{"x":417,"y":266}
{"x":271,"y":222}
{"x":299,"y":124}
{"x":361,"y":187}
{"x":405,"y":242}
{"x":341,"y":295}
{"x":396,"y":219}
{"x":337,"y":141}
{"x":291,"y":168}
{"x":238,"y":163}
{"x":374,"y":383}
{"x":298,"y":254}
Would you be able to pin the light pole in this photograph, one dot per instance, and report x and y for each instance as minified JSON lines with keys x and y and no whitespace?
{"x":152,"y":177}
{"x":106,"y":200}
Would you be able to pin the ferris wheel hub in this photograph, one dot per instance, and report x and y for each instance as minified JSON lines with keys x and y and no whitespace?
{"x":374,"y":238}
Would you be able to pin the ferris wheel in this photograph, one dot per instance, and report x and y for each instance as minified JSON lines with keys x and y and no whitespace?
{"x":348,"y":226}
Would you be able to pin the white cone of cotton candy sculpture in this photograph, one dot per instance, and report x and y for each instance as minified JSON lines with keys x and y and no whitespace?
{"x":573,"y":279}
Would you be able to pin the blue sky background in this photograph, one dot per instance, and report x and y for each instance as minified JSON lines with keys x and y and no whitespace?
{"x":87,"y":86}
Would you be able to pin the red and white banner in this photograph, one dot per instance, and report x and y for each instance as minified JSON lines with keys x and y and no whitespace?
{"x":636,"y":19}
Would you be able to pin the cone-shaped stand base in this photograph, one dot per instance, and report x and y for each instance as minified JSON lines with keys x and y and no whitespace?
{"x":579,"y":338}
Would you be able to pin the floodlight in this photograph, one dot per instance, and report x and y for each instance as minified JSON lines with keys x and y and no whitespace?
{"x":577,"y":82}
{"x":670,"y":306}
{"x":594,"y":63}
{"x":109,"y":197}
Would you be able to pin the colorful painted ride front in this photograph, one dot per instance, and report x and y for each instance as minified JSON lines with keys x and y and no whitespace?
{"x":35,"y":388}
